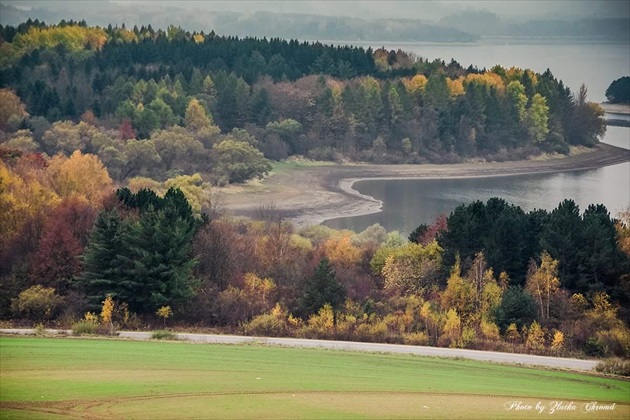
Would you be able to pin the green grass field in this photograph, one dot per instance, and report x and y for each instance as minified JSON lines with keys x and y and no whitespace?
{"x":100,"y":378}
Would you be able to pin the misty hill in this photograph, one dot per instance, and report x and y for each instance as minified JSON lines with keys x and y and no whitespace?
{"x":394,"y":21}
{"x":485,"y":23}
{"x":259,"y":24}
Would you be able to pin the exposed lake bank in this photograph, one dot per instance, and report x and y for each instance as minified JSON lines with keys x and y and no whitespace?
{"x":311,"y":194}
{"x":623,"y":109}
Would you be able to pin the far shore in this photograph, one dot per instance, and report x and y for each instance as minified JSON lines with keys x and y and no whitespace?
{"x":309,"y":194}
{"x":623,"y":109}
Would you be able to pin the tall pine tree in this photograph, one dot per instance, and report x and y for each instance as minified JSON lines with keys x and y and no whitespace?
{"x":323,"y":288}
{"x":145,"y":261}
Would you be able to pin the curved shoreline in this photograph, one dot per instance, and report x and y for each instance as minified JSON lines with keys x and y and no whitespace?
{"x":310,"y":195}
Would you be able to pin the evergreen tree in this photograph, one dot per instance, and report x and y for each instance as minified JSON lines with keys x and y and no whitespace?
{"x":145,"y":261}
{"x":619,"y":91}
{"x":601,"y":261}
{"x":517,"y":306}
{"x":158,"y":266}
{"x":414,"y":237}
{"x":562,"y":238}
{"x":101,"y":269}
{"x":323,"y":288}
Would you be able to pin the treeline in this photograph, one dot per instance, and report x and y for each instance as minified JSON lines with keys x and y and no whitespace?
{"x":488,"y":276}
{"x":333,"y":102}
{"x":619,"y":91}
{"x":585,"y":244}
{"x":197,"y":150}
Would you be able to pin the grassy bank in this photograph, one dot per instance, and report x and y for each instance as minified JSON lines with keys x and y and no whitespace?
{"x":114,"y":378}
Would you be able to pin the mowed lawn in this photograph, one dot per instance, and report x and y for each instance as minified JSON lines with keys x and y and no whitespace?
{"x":102,"y":378}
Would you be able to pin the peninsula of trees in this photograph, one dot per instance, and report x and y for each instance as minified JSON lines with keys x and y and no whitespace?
{"x":138,"y":91}
{"x":619,"y":91}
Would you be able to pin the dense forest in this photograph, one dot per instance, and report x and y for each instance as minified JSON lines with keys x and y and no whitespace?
{"x":111,"y":138}
{"x":280,"y":97}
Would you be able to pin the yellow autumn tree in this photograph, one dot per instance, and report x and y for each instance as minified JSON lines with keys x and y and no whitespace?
{"x":11,"y":108}
{"x":491,"y":294}
{"x":137,"y":183}
{"x":512,"y":334}
{"x":80,"y":175}
{"x":411,"y":268}
{"x":322,"y":324}
{"x":416,"y":84}
{"x":558,"y":341}
{"x":21,"y":197}
{"x":341,"y":252}
{"x":196,"y":116}
{"x":489,"y":330}
{"x":459,"y":294}
{"x":535,"y":338}
{"x":164,"y":312}
{"x":73,"y":37}
{"x":487,"y":79}
{"x":452,"y":330}
{"x":455,"y":86}
{"x":543,"y":283}
{"x":431,"y":319}
{"x":196,"y":191}
{"x":107,"y":311}
{"x":259,"y":290}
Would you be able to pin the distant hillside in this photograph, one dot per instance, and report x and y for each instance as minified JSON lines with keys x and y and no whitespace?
{"x":486,"y":23}
{"x":259,"y":24}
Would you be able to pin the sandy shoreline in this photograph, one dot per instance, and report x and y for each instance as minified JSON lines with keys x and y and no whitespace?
{"x":309,"y":195}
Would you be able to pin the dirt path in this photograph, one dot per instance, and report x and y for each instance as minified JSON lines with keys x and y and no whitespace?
{"x":311,"y":194}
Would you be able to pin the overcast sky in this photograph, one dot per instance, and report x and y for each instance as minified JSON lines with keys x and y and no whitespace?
{"x":425,"y":9}
{"x":411,"y":9}
{"x":586,"y":8}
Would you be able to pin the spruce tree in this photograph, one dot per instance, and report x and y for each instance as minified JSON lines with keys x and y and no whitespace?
{"x":145,"y":261}
{"x":101,"y":270}
{"x":323,"y":288}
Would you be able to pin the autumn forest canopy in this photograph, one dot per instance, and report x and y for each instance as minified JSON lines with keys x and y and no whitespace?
{"x":112,"y":138}
{"x":282,"y":98}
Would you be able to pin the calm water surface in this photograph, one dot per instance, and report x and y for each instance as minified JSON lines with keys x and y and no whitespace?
{"x":408,"y":203}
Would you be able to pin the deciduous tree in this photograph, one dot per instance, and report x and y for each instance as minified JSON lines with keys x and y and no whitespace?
{"x":80,"y":175}
{"x":196,"y":116}
{"x":238,"y":161}
{"x":543,"y":283}
{"x":11,"y":108}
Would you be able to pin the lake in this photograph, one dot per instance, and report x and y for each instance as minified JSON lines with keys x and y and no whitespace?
{"x":410,"y":202}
